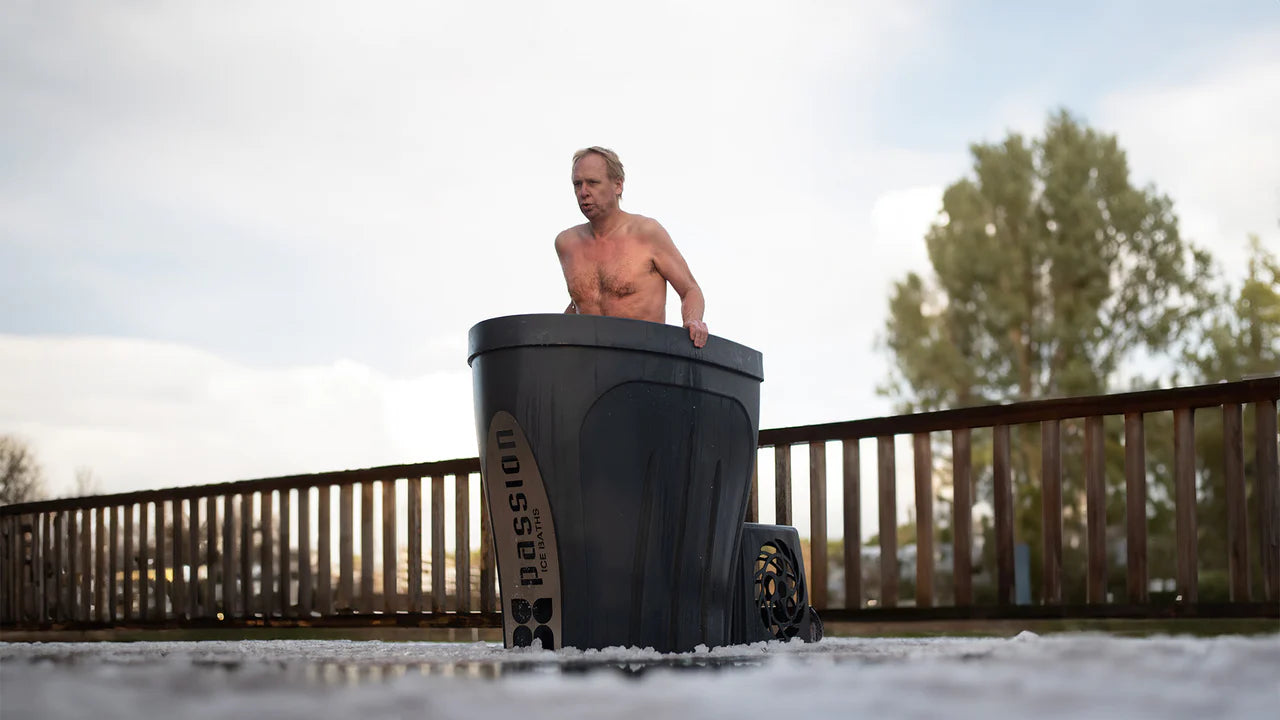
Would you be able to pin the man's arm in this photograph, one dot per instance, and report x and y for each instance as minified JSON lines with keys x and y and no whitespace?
{"x":673,"y":268}
{"x":561,"y":246}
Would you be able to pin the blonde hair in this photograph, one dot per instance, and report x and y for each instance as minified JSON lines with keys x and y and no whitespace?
{"x":611,"y":162}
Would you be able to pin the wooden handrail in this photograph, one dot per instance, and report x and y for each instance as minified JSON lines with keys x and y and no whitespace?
{"x":288,"y":482}
{"x":1146,"y":401}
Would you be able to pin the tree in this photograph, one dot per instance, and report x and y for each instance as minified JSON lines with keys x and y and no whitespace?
{"x":1050,"y":271}
{"x":21,"y":479}
{"x":1241,"y":339}
{"x":86,"y":483}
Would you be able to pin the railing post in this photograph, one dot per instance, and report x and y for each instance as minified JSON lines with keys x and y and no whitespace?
{"x":306,"y":591}
{"x":178,"y":585}
{"x":366,"y":547}
{"x":114,"y":560}
{"x":414,"y":571}
{"x":51,"y":567}
{"x":324,"y":549}
{"x":211,"y":556}
{"x":59,"y":565}
{"x":962,"y":511}
{"x":27,"y":557}
{"x":1184,"y":479}
{"x":31,"y":564}
{"x":346,"y":547}
{"x":285,"y":586}
{"x":162,"y":580}
{"x":144,"y":559}
{"x":1001,"y":471}
{"x":462,"y":541}
{"x":782,"y":484}
{"x":852,"y":473}
{"x":246,"y":555}
{"x":1268,"y":493}
{"x":888,"y":523}
{"x":818,"y":524}
{"x":228,"y":556}
{"x":1096,"y":507}
{"x":389,"y":570}
{"x":437,"y":545}
{"x":1135,"y":481}
{"x":193,"y":559}
{"x":923,"y":470}
{"x":7,"y":571}
{"x":74,"y":571}
{"x":36,"y":523}
{"x":87,"y":566}
{"x":266,"y":520}
{"x":1051,"y":509}
{"x":39,"y":603}
{"x":10,"y":573}
{"x":1237,"y":516}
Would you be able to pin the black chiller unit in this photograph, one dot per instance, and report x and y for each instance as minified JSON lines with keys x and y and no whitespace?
{"x":616,"y":462}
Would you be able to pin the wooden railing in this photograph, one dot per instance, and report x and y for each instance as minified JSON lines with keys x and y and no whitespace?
{"x":255,"y":552}
{"x":262,"y":552}
{"x":1225,"y":398}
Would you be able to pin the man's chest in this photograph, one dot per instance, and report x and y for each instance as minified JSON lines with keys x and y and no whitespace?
{"x":595,"y":273}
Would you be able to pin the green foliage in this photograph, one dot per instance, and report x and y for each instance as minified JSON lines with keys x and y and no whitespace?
{"x":1242,"y":338}
{"x":1050,"y":271}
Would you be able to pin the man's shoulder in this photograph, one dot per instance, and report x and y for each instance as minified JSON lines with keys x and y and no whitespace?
{"x":572,"y":234}
{"x":645,"y":226}
{"x":649,"y":229}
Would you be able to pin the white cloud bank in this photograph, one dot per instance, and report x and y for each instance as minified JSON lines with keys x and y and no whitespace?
{"x":144,"y":414}
{"x":1212,"y":142}
{"x":300,"y":209}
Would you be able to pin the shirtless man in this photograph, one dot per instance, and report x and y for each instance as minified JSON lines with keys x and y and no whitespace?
{"x":619,"y":263}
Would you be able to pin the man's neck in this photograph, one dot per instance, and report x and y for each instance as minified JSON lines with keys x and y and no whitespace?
{"x":601,"y":227}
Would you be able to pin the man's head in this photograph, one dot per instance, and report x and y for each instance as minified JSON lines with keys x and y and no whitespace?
{"x":597,"y":180}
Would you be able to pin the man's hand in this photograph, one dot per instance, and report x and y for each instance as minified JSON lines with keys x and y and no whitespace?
{"x":697,"y":332}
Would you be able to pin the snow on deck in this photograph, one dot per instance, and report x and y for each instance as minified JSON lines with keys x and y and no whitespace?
{"x":1029,"y":676}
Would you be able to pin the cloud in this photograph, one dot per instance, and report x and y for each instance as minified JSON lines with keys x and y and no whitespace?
{"x":284,"y":192}
{"x":1211,"y":141}
{"x":248,"y":239}
{"x":901,"y":218}
{"x":145,"y":414}
{"x":286,"y":228}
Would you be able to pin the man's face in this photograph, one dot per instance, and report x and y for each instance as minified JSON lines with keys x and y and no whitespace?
{"x":596,"y":193}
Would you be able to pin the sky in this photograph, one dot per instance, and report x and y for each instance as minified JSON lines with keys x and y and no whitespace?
{"x":247,"y":239}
